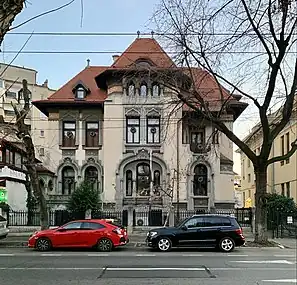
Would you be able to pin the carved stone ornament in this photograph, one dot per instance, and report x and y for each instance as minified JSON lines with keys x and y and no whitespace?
{"x":91,"y":160}
{"x":143,"y":154}
{"x":67,"y":160}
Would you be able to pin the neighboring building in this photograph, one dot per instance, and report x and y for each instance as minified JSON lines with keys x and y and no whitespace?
{"x":117,"y":126}
{"x":282,"y":176}
{"x":237,"y":192}
{"x":13,"y":174}
{"x":10,"y":84}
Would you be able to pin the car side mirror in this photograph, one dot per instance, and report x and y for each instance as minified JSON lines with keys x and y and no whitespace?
{"x":184,"y":228}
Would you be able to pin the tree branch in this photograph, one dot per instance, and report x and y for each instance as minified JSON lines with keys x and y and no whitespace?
{"x":287,"y":108}
{"x":42,"y":14}
{"x":286,"y":156}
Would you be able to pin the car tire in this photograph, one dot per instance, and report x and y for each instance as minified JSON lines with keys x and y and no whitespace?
{"x":105,"y":245}
{"x":164,"y":244}
{"x":43,"y":244}
{"x":226,"y":244}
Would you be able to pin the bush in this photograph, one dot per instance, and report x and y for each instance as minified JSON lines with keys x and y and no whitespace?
{"x":280,"y":203}
{"x":84,"y":198}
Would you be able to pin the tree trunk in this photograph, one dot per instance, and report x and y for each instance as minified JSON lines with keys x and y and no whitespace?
{"x":30,"y":204}
{"x":8,"y":11}
{"x":260,"y":203}
{"x":30,"y":163}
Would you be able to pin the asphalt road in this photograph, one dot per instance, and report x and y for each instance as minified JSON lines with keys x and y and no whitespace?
{"x":271,"y":266}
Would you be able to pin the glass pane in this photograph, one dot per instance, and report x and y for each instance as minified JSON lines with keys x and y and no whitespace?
{"x":133,"y":121}
{"x":155,"y":90}
{"x":75,"y":225}
{"x":93,"y":126}
{"x":69,"y":126}
{"x":143,"y":90}
{"x":143,"y":169}
{"x":131,"y":90}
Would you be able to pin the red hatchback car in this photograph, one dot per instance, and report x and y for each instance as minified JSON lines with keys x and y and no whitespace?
{"x":100,"y":234}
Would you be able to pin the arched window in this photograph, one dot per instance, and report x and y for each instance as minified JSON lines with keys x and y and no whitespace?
{"x":143,"y":89}
{"x":68,"y":180}
{"x":157,"y":182}
{"x":143,"y":179}
{"x":41,"y":185}
{"x":157,"y":178}
{"x":91,"y":175}
{"x":200,"y":180}
{"x":155,"y":90}
{"x":131,"y":89}
{"x":129,"y":183}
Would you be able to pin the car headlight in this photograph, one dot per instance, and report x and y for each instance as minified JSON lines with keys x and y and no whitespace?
{"x":153,"y":234}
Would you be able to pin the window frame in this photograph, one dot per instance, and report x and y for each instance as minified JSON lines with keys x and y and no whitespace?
{"x":196,"y":191}
{"x":64,"y":129}
{"x":69,"y":189}
{"x":138,"y":175}
{"x":146,"y":89}
{"x":150,"y":126}
{"x":136,"y":126}
{"x":155,"y":84}
{"x":129,"y":192}
{"x":80,"y":91}
{"x":88,"y":131}
{"x":131,"y":83}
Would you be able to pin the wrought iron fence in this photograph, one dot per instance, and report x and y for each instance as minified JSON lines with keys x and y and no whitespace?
{"x":282,"y":224}
{"x":243,"y":215}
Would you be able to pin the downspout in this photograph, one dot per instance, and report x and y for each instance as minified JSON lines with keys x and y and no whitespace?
{"x":273,"y":172}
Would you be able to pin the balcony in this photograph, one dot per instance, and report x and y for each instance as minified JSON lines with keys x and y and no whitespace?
{"x":199,"y":148}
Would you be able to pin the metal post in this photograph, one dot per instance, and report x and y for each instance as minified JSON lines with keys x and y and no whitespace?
{"x":177,"y":171}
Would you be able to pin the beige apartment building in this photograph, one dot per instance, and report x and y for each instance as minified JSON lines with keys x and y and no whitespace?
{"x":12,"y":171}
{"x":118,"y":127}
{"x":282,"y":176}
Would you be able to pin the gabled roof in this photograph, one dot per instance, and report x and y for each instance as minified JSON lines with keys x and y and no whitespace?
{"x":87,"y":78}
{"x":146,"y":49}
{"x":65,"y":96}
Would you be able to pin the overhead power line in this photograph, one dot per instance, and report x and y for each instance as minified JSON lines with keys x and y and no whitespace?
{"x":120,"y":52}
{"x":131,"y":34}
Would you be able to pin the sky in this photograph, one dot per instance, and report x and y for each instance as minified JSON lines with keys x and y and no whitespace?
{"x":112,"y":16}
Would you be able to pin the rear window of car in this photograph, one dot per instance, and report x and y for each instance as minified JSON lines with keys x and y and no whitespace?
{"x":114,"y":223}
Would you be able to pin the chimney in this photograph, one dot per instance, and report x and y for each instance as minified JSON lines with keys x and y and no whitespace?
{"x":115,"y":57}
{"x":45,"y":83}
{"x":88,"y":62}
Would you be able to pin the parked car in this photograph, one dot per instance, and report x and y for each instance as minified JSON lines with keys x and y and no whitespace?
{"x":93,"y":233}
{"x":218,"y":231}
{"x":3,"y":228}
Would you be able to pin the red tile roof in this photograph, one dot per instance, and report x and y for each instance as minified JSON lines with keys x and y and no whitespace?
{"x":87,"y":77}
{"x":144,"y":48}
{"x":141,"y":49}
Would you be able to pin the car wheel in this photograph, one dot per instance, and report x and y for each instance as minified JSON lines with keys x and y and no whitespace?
{"x":104,"y":244}
{"x":164,"y":244}
{"x":226,"y":244}
{"x":43,"y":244}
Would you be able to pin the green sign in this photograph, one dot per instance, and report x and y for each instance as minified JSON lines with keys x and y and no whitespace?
{"x":3,"y":195}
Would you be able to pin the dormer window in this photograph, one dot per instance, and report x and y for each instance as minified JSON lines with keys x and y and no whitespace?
{"x":80,"y":93}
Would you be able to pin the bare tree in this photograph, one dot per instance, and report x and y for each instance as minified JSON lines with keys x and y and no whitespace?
{"x":247,"y":46}
{"x":30,"y":163}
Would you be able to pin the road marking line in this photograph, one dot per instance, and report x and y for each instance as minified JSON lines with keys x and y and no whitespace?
{"x":98,"y":254}
{"x":282,"y":280}
{"x":153,"y":269}
{"x":50,"y":254}
{"x":147,"y":269}
{"x":144,"y":255}
{"x":265,"y":261}
{"x":239,"y":255}
{"x":187,"y":255}
{"x":7,"y":254}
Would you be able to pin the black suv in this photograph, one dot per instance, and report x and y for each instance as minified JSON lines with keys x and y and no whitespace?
{"x":219,"y":231}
